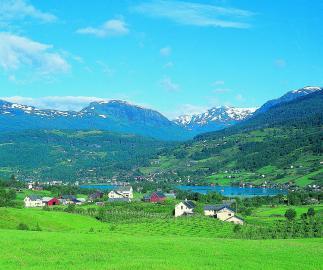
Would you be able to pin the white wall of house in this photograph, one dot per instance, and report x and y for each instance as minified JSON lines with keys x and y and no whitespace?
{"x":209,"y":212}
{"x":181,"y":209}
{"x":29,"y":203}
{"x":235,"y":220}
{"x":224,"y":214}
{"x":120,"y":194}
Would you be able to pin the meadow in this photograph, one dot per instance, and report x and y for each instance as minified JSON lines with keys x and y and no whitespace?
{"x":57,"y":250}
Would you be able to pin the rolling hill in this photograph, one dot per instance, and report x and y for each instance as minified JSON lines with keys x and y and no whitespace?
{"x":283,"y":144}
{"x":74,"y":155}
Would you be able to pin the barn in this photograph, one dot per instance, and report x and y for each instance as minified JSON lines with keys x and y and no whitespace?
{"x":155,"y":197}
{"x":53,"y":201}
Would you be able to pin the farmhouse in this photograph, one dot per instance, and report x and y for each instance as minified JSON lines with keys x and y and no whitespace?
{"x":121,"y":192}
{"x":184,"y":208}
{"x":223,"y":213}
{"x":155,"y":197}
{"x":33,"y":201}
{"x":69,"y":199}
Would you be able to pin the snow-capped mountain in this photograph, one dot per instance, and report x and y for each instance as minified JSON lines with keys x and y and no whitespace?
{"x":289,"y":96}
{"x":114,"y":115}
{"x":13,"y":109}
{"x":214,"y":119}
{"x":121,"y":116}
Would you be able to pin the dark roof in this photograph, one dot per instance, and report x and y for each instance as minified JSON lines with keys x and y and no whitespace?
{"x":217,"y":207}
{"x":96,"y":195}
{"x":189,"y":204}
{"x":35,"y":197}
{"x":123,"y":188}
{"x":118,"y":200}
{"x":235,"y":217}
{"x":68,"y":197}
{"x":159,"y":194}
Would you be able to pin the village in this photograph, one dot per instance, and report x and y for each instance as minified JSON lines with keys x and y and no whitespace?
{"x":125,"y":194}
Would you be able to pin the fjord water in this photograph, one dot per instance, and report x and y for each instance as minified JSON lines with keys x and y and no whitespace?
{"x":224,"y":190}
{"x":234,"y":191}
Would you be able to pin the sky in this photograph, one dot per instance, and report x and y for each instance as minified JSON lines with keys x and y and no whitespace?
{"x":177,"y":57}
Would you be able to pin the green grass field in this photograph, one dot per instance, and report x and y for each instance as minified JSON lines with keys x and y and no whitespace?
{"x":155,"y":241}
{"x":265,"y":215}
{"x":44,"y":250}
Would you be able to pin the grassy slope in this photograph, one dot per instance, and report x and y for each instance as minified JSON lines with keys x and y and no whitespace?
{"x":43,"y":250}
{"x":146,"y":243}
{"x":49,"y":221}
{"x":268,"y":215}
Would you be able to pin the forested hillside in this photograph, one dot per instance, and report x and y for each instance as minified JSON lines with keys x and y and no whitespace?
{"x":281,"y":145}
{"x":70,"y":156}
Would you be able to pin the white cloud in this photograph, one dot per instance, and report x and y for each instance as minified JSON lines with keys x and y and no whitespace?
{"x":20,"y":9}
{"x":110,"y":28}
{"x":17,"y":52}
{"x":166,"y":51}
{"x":169,"y":85}
{"x":197,"y":14}
{"x":63,"y":103}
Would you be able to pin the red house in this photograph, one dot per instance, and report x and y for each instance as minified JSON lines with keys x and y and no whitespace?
{"x":52,"y":202}
{"x":155,"y":197}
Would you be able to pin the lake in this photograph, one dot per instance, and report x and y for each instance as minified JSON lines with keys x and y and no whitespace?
{"x":234,"y":191}
{"x":224,"y":190}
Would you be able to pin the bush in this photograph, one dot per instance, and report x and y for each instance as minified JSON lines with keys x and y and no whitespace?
{"x":23,"y":227}
{"x":290,"y":214}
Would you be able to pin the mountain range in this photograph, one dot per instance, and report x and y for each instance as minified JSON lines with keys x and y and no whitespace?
{"x":282,"y":145}
{"x":123,"y":117}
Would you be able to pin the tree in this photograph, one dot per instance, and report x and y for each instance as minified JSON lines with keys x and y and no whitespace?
{"x":290,"y":214}
{"x":311,"y":212}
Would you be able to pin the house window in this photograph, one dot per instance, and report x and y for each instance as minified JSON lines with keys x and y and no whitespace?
{"x":229,"y":214}
{"x":181,"y":207}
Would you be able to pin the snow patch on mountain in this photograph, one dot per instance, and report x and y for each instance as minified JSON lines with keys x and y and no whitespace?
{"x":221,"y":114}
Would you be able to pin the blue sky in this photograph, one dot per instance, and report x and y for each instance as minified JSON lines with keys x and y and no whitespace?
{"x":173,"y":56}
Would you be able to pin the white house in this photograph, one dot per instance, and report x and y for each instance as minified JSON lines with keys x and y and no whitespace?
{"x":33,"y":201}
{"x":223,"y":213}
{"x":184,"y":208}
{"x":121,"y":192}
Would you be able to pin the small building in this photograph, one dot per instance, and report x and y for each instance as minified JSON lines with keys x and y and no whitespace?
{"x":184,"y":208}
{"x":95,"y":196}
{"x":121,"y":192}
{"x":155,"y":197}
{"x":223,"y":213}
{"x":70,"y":199}
{"x":50,"y":201}
{"x":33,"y":201}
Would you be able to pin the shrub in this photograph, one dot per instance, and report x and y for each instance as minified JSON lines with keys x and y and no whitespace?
{"x":290,"y":214}
{"x":23,"y":227}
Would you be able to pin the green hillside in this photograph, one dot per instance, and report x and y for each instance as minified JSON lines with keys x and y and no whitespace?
{"x":282,"y":145}
{"x":70,"y":156}
{"x":149,"y":239}
{"x":43,"y":250}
